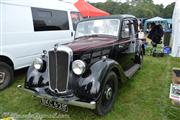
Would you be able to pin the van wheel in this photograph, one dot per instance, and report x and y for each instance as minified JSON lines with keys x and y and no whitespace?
{"x":106,"y":101}
{"x":6,"y":75}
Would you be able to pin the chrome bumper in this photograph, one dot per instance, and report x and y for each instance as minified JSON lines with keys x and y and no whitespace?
{"x":69,"y":101}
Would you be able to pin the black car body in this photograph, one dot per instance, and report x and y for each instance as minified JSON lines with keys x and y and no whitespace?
{"x":86,"y":72}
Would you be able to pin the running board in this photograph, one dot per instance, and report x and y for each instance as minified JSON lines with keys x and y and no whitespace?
{"x":129,"y":73}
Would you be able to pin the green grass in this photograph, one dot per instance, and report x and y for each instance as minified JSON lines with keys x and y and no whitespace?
{"x":144,"y":97}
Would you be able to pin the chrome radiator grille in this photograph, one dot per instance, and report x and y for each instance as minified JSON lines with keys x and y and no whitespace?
{"x":59,"y":62}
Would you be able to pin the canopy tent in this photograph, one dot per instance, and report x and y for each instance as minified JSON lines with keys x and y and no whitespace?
{"x":88,"y":10}
{"x":176,"y":30}
{"x":169,"y":23}
{"x":157,"y":20}
{"x":169,"y":20}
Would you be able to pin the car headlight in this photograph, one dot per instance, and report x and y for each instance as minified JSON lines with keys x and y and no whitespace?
{"x":78,"y":67}
{"x":38,"y":64}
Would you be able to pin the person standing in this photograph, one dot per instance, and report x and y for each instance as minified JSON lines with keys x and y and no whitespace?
{"x":155,"y":34}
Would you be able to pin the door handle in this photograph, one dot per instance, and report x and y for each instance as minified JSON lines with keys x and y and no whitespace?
{"x":71,"y":34}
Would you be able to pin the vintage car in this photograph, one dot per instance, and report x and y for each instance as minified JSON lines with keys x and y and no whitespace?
{"x":86,"y":72}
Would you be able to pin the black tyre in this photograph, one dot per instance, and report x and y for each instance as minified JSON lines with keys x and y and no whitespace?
{"x":106,"y":101}
{"x":6,"y":75}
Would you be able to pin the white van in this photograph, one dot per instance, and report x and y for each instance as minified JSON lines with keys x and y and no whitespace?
{"x":27,"y":27}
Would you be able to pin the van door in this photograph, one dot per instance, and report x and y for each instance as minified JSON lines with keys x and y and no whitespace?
{"x":28,"y":31}
{"x":50,"y":27}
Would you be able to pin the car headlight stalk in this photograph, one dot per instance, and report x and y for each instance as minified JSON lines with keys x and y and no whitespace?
{"x":78,"y":67}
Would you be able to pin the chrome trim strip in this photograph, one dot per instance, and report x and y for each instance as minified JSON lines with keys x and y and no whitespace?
{"x":56,"y":72}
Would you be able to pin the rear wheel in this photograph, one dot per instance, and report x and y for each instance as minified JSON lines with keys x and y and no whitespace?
{"x":108,"y":95}
{"x":6,"y":75}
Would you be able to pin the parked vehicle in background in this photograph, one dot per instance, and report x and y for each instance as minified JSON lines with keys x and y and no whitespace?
{"x":27,"y":28}
{"x":86,"y":72}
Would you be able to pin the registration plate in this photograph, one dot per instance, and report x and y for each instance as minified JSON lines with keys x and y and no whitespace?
{"x":54,"y":104}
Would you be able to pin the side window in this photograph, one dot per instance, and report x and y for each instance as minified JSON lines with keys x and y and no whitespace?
{"x":76,"y":17}
{"x":48,"y":20}
{"x":125,"y":29}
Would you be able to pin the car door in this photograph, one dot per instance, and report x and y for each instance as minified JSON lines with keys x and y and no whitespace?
{"x":125,"y":48}
{"x":133,"y":41}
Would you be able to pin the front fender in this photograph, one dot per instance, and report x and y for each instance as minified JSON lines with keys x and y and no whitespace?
{"x":35,"y":78}
{"x":90,"y":87}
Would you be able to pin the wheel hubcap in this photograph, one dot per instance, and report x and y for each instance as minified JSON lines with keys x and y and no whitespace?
{"x":2,"y":77}
{"x":108,"y":93}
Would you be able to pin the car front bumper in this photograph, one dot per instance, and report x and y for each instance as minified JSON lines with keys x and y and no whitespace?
{"x":40,"y":93}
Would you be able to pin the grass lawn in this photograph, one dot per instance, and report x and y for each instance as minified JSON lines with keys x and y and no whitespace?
{"x":144,"y":97}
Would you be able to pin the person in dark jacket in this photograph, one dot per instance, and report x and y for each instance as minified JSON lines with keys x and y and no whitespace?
{"x":156,"y":34}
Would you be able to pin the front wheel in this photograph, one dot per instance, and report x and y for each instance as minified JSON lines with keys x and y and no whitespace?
{"x":6,"y":75}
{"x":108,"y":95}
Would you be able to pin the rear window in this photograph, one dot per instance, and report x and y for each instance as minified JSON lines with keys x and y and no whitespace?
{"x":48,"y":20}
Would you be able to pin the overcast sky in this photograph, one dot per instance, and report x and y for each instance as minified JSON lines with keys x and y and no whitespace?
{"x":164,"y":2}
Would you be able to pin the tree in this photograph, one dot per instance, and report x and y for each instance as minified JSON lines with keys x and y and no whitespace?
{"x":168,"y":10}
{"x":139,"y":8}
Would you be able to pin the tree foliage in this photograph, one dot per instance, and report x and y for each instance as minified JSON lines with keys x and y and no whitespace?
{"x":168,"y":10}
{"x":139,"y":8}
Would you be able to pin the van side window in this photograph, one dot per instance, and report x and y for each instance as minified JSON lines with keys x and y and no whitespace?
{"x":125,"y":29}
{"x":48,"y":20}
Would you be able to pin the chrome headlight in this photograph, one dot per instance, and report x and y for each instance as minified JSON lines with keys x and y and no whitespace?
{"x":78,"y":67}
{"x":38,"y":64}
